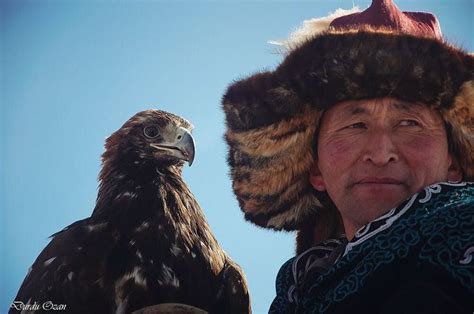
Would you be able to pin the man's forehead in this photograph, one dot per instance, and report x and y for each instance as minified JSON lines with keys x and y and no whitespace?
{"x":356,"y":107}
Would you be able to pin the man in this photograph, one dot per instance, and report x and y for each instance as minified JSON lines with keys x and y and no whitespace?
{"x":373,"y":154}
{"x":359,"y":141}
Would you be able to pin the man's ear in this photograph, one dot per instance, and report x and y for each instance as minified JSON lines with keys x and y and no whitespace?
{"x":454,"y":170}
{"x":316,"y":179}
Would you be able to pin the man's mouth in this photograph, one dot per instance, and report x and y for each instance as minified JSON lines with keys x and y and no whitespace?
{"x":379,"y":181}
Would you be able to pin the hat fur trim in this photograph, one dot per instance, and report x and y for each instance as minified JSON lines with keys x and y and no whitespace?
{"x":461,"y":119}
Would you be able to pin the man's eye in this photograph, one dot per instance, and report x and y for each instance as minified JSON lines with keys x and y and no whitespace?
{"x":358,"y":125}
{"x":408,"y":123}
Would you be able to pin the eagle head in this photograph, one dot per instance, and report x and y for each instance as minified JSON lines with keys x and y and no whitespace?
{"x":153,"y":137}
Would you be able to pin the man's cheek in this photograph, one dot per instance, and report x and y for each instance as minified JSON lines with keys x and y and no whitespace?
{"x":422,"y":144}
{"x":342,"y":151}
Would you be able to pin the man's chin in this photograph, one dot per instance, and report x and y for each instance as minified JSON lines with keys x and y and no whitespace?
{"x":383,"y":196}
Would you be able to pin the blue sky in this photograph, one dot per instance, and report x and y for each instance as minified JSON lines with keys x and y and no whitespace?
{"x":72,"y":72}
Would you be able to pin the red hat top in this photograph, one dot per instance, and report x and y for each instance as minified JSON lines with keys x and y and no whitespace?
{"x":385,"y":14}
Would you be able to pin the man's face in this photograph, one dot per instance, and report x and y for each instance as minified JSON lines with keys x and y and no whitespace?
{"x":373,"y":154}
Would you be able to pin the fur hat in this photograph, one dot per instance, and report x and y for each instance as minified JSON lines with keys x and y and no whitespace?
{"x":272,"y":116}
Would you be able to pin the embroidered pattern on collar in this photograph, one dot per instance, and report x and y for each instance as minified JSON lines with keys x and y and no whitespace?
{"x":385,"y":221}
{"x":317,"y":259}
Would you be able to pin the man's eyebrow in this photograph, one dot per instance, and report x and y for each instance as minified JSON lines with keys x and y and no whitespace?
{"x":413,"y":108}
{"x":354,"y":110}
{"x":401,"y":106}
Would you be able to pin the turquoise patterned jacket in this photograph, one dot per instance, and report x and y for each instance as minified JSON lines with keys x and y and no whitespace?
{"x":417,"y":258}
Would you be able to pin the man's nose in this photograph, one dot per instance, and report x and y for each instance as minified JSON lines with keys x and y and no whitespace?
{"x":380,"y":149}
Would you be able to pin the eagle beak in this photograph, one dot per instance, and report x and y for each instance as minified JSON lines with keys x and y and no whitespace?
{"x":183,"y":147}
{"x":186,"y":146}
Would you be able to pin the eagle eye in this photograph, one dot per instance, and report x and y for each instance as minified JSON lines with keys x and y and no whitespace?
{"x":151,"y":131}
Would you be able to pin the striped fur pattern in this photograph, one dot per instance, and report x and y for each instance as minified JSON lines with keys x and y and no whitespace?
{"x":272,"y":117}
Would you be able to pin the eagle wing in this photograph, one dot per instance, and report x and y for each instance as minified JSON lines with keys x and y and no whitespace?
{"x":233,"y":296}
{"x":67,"y":271}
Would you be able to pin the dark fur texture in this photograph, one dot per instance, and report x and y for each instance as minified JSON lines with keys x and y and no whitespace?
{"x":272,"y":116}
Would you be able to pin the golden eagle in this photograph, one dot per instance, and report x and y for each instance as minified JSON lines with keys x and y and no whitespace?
{"x":147,"y":241}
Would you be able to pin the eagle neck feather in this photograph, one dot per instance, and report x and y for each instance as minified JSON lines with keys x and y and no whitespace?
{"x":187,"y":219}
{"x":153,"y":193}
